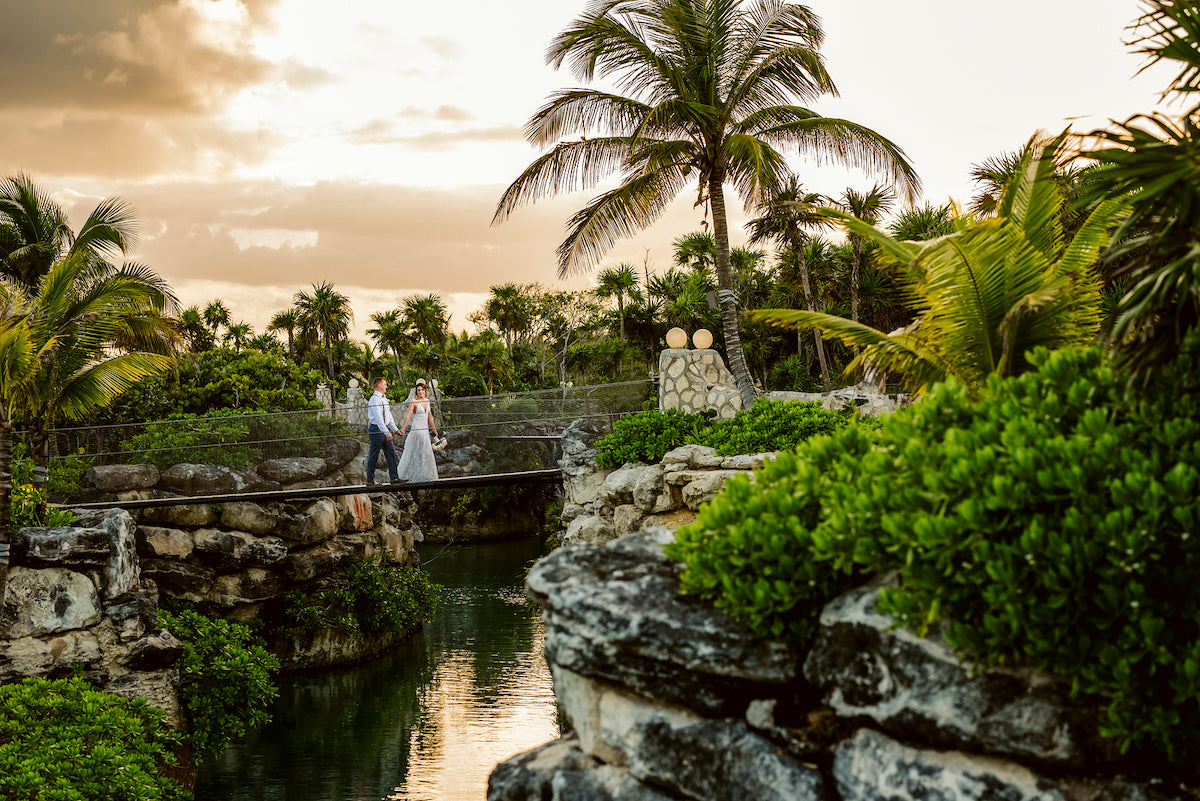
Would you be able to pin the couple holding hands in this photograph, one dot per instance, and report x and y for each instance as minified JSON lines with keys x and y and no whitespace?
{"x":417,"y":462}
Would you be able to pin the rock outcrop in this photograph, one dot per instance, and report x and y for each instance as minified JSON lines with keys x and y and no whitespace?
{"x":668,"y":698}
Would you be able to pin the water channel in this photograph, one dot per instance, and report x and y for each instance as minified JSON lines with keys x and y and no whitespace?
{"x":426,"y":723}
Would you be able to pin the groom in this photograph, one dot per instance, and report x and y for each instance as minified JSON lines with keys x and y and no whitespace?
{"x":380,"y":427}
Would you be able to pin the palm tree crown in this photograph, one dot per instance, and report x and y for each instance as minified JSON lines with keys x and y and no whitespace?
{"x":707,"y":86}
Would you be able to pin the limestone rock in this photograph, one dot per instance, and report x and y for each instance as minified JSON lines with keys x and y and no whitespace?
{"x":618,"y":485}
{"x":47,"y":601}
{"x":234,"y":549}
{"x":121,"y":477}
{"x":292,"y":469}
{"x":707,"y":486}
{"x":248,"y":587}
{"x":916,"y":687}
{"x":626,"y":519}
{"x":168,"y":543}
{"x":261,"y":519}
{"x":157,"y":650}
{"x":183,"y":516}
{"x":160,"y":688}
{"x":746,"y":461}
{"x":589,"y":529}
{"x":613,"y":612}
{"x":651,"y":493}
{"x":871,"y":766}
{"x":354,"y":512}
{"x":122,"y":570}
{"x":187,"y":580}
{"x":340,"y":452}
{"x":695,"y":457}
{"x":317,"y":522}
{"x":207,"y":479}
{"x":560,"y":771}
{"x":36,"y":656}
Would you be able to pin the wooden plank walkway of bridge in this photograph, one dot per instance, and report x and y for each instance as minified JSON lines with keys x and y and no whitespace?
{"x":551,"y":476}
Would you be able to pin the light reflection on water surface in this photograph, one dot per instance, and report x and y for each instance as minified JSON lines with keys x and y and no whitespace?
{"x":426,"y":723}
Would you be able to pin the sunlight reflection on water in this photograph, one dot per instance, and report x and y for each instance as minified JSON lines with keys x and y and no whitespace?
{"x":427,"y":723}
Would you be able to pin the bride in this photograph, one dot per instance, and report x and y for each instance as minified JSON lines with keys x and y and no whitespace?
{"x":417,"y":462}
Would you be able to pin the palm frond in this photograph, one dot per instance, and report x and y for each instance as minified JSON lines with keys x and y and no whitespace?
{"x":573,"y":111}
{"x":838,"y":141}
{"x":569,"y":166}
{"x":621,"y":212}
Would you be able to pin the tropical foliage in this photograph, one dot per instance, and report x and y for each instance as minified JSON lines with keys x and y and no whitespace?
{"x":989,"y":292}
{"x":1039,"y":524}
{"x":706,"y":89}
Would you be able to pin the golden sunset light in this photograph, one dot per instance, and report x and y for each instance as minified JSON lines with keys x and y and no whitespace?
{"x":271,"y":144}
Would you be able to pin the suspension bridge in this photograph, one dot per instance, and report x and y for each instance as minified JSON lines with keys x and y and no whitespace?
{"x":503,"y":439}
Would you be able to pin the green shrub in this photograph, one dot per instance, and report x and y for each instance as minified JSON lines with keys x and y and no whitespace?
{"x":1050,"y":524}
{"x":376,"y":600}
{"x":195,"y":439}
{"x":29,"y":503}
{"x":647,"y":436}
{"x":225,"y":678}
{"x":64,"y":740}
{"x":772,"y":425}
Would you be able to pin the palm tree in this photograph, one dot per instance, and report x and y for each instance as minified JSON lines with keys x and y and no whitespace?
{"x":988,"y":293}
{"x":93,"y":337}
{"x":785,"y":217}
{"x":488,"y":356}
{"x":1155,"y":162}
{"x":35,"y":232}
{"x":869,"y":207}
{"x":391,"y":334}
{"x":618,"y":282}
{"x":287,"y":320}
{"x":191,"y":325}
{"x":426,"y":316}
{"x":238,"y":335}
{"x":707,"y":82}
{"x":216,"y":314}
{"x":510,"y":310}
{"x":697,"y":250}
{"x":324,"y":316}
{"x":917,"y":224}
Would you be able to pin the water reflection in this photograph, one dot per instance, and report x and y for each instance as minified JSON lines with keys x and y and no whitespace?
{"x":426,"y":723}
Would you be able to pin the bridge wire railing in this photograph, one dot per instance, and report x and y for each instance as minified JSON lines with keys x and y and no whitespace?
{"x":520,"y":430}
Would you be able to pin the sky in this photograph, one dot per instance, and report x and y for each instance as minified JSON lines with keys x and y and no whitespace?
{"x":270,"y":145}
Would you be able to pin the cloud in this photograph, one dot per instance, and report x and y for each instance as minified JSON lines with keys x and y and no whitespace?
{"x":444,"y":47}
{"x":129,"y":55}
{"x":133,"y":148}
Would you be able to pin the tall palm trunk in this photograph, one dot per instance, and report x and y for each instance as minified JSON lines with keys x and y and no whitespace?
{"x":811,"y":303}
{"x":6,"y":488}
{"x":729,"y":313}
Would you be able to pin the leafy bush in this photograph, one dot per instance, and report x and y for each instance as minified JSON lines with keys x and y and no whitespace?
{"x":772,"y":425}
{"x":647,"y":436}
{"x":218,"y":379}
{"x":29,"y":503}
{"x":376,"y":600}
{"x":1049,"y":524}
{"x":209,"y":439}
{"x":225,"y":678}
{"x":64,"y":740}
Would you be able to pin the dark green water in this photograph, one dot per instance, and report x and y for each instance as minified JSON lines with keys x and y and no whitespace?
{"x":426,"y":723}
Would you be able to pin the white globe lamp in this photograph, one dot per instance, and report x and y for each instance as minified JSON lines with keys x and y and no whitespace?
{"x":677,"y":338}
{"x":702,"y":339}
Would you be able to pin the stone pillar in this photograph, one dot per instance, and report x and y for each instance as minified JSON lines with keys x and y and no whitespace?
{"x":325,"y":398}
{"x":356,"y":405}
{"x":695,"y":381}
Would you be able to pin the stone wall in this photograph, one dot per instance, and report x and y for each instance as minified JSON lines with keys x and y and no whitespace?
{"x":77,"y":598}
{"x":669,"y":699}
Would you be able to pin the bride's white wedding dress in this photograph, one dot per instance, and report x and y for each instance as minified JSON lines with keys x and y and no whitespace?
{"x":417,"y":462}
